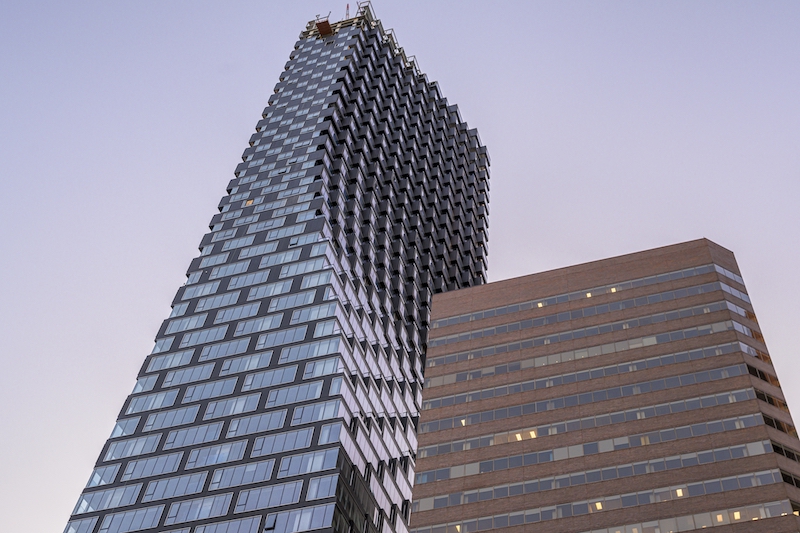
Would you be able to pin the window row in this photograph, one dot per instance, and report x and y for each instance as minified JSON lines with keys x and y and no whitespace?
{"x":574,"y":479}
{"x":583,"y":312}
{"x":586,"y":293}
{"x":586,"y":398}
{"x":583,"y":375}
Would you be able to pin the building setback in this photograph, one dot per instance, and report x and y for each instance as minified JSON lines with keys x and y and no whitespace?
{"x":284,"y":388}
{"x":630,"y":395}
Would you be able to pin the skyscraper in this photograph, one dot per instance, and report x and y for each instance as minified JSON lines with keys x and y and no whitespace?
{"x":629,"y":395}
{"x":284,"y":388}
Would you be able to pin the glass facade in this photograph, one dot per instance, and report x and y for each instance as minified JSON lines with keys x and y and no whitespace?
{"x":284,"y":389}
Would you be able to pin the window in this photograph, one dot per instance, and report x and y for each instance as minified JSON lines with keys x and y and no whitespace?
{"x":153,"y":466}
{"x":213,"y":455}
{"x":229,"y":270}
{"x":196,"y":393}
{"x":200,"y":290}
{"x":172,"y":360}
{"x":203,"y":336}
{"x":128,"y":521}
{"x":224,"y":349}
{"x":278,"y":338}
{"x":232,"y":476}
{"x":305,"y":414}
{"x":188,"y":375}
{"x":176,"y":417}
{"x":263,"y":323}
{"x":292,"y":300}
{"x":243,"y":364}
{"x":256,"y":423}
{"x":217,"y":301}
{"x":236,"y":313}
{"x":263,"y":291}
{"x":270,"y":496}
{"x":193,"y":435}
{"x":103,"y":475}
{"x":294,"y":394}
{"x":321,"y":487}
{"x":125,"y":427}
{"x":182,"y":324}
{"x":198,"y":509}
{"x":174,"y":487}
{"x":282,"y":442}
{"x":131,"y":447}
{"x":269,"y":378}
{"x":151,"y":401}
{"x":248,"y":279}
{"x":233,"y":406}
{"x":308,"y":462}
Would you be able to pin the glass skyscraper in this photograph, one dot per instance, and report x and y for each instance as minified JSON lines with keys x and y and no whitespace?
{"x":284,"y":389}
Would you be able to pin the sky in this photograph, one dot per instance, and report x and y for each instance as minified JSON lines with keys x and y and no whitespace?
{"x":612,"y":127}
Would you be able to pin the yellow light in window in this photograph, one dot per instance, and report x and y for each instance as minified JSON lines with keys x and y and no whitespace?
{"x":679,"y":493}
{"x":519,"y":436}
{"x":458,"y":528}
{"x":719,"y":518}
{"x":540,"y":304}
{"x":588,"y":294}
{"x":737,"y":515}
{"x":463,"y":421}
{"x":533,"y":434}
{"x":598,"y":506}
{"x":613,"y":289}
{"x":248,"y":202}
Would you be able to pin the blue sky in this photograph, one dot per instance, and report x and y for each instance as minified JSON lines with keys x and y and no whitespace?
{"x":612,"y":127}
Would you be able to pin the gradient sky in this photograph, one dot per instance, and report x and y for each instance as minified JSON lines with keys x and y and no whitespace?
{"x":613,"y":127}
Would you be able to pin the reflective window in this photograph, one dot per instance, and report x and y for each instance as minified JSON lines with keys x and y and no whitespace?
{"x":272,"y":289}
{"x":160,"y":362}
{"x":243,"y":364}
{"x":188,"y":375}
{"x":233,"y":476}
{"x":286,"y":336}
{"x":269,"y":378}
{"x":107,"y":499}
{"x":321,"y":487}
{"x":218,"y":301}
{"x":176,"y":417}
{"x":270,"y":496}
{"x":131,"y":447}
{"x":224,"y":349}
{"x":306,"y":463}
{"x":281,"y":442}
{"x":103,"y":475}
{"x":232,"y":406}
{"x":214,"y":455}
{"x":153,"y":466}
{"x":193,"y":435}
{"x":294,"y":394}
{"x":198,"y":509}
{"x":174,"y":487}
{"x":128,"y":521}
{"x":214,"y":389}
{"x":257,"y":423}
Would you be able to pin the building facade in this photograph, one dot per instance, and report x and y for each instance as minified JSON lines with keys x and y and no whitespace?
{"x":284,"y":389}
{"x":630,"y":395}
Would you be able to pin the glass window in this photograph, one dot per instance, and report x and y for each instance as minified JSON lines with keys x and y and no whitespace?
{"x":213,"y":455}
{"x":233,"y":476}
{"x":107,"y":499}
{"x":281,"y":442}
{"x":270,"y":496}
{"x":193,"y":435}
{"x":198,"y":509}
{"x":171,"y":360}
{"x":174,"y":487}
{"x":153,"y":466}
{"x":128,"y":521}
{"x":176,"y":417}
{"x":243,"y":364}
{"x":257,"y":423}
{"x":103,"y":475}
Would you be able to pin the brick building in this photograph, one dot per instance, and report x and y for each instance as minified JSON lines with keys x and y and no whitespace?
{"x":633,"y":394}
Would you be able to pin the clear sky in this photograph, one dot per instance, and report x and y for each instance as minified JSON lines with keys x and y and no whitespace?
{"x":613,"y":127}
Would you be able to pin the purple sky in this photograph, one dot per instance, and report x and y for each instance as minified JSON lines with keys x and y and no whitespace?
{"x":613,"y":127}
